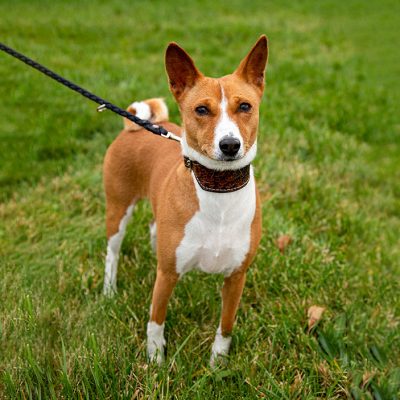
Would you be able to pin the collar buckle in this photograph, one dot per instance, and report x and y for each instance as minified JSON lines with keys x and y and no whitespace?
{"x":188,"y":162}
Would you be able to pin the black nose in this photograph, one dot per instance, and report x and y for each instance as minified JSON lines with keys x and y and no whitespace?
{"x":229,"y":145}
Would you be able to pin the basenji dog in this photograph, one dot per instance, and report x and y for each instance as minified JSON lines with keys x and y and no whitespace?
{"x":203,"y":193}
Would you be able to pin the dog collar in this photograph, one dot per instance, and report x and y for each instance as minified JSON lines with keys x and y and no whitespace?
{"x":224,"y":181}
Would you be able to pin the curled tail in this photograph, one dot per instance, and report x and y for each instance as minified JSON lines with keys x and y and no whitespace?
{"x":154,"y":110}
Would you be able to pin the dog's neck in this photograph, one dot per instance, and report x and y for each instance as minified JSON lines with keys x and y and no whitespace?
{"x":224,"y":181}
{"x":218,"y":176}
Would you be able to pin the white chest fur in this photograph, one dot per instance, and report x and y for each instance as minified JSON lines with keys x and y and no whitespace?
{"x":217,"y":238}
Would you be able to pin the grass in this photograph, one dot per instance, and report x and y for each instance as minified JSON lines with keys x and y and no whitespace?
{"x":327,"y":170}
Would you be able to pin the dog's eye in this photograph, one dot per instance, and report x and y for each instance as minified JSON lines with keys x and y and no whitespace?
{"x":244,"y":107}
{"x":202,"y":110}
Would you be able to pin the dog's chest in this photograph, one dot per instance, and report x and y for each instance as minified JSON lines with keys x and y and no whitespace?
{"x":217,"y":237}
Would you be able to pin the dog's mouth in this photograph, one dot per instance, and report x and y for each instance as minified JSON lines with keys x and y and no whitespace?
{"x":224,"y":158}
{"x":217,"y":155}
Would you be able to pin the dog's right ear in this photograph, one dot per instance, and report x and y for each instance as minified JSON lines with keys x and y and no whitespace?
{"x":182,"y":72}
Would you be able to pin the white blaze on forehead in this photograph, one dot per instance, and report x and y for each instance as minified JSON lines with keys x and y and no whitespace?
{"x":226,"y":127}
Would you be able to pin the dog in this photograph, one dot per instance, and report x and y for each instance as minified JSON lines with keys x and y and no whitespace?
{"x":203,"y":193}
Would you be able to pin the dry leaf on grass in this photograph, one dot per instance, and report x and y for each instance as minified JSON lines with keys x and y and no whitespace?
{"x":367,"y":378}
{"x":314,"y":314}
{"x":296,"y":385}
{"x":324,"y":373}
{"x":282,"y":242}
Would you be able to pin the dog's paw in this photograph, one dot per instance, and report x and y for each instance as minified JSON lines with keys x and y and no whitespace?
{"x":220,"y":349}
{"x":218,"y":360}
{"x":155,"y":355}
{"x":155,"y":343}
{"x":109,"y":291}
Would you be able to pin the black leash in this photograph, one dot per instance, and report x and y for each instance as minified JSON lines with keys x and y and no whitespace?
{"x":158,"y":130}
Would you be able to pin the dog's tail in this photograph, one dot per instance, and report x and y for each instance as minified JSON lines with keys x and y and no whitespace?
{"x":154,"y":110}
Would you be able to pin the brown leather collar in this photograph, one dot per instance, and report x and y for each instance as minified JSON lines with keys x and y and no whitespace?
{"x":213,"y":180}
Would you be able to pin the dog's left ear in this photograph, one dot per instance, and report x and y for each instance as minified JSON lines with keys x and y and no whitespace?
{"x":252,"y":67}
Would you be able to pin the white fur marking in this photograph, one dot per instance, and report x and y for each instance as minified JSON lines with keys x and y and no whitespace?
{"x":113,"y":248}
{"x":216,"y":164}
{"x":153,"y":236}
{"x":143,"y":110}
{"x":220,"y":346}
{"x":155,"y":342}
{"x":226,"y":127}
{"x":217,"y":238}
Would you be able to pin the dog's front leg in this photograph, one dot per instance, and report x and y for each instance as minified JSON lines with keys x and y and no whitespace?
{"x":231,"y":294}
{"x":165,"y":283}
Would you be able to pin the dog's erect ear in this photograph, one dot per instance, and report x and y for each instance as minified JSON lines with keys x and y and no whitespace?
{"x":252,"y":67}
{"x":182,"y":72}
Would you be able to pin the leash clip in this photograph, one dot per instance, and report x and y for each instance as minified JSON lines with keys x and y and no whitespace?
{"x":172,"y":136}
{"x":101,"y":108}
{"x":188,"y":162}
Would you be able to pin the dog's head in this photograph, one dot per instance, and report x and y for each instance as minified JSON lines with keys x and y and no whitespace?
{"x":219,"y":115}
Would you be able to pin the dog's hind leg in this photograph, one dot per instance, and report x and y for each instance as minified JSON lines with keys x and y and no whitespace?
{"x":153,"y":235}
{"x":117,"y":218}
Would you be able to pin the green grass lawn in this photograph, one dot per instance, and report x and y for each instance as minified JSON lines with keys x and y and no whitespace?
{"x":327,"y":168}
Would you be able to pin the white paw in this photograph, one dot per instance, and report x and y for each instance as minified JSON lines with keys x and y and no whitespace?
{"x":109,"y":291}
{"x":220,"y":349}
{"x":155,"y":354}
{"x":155,"y":342}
